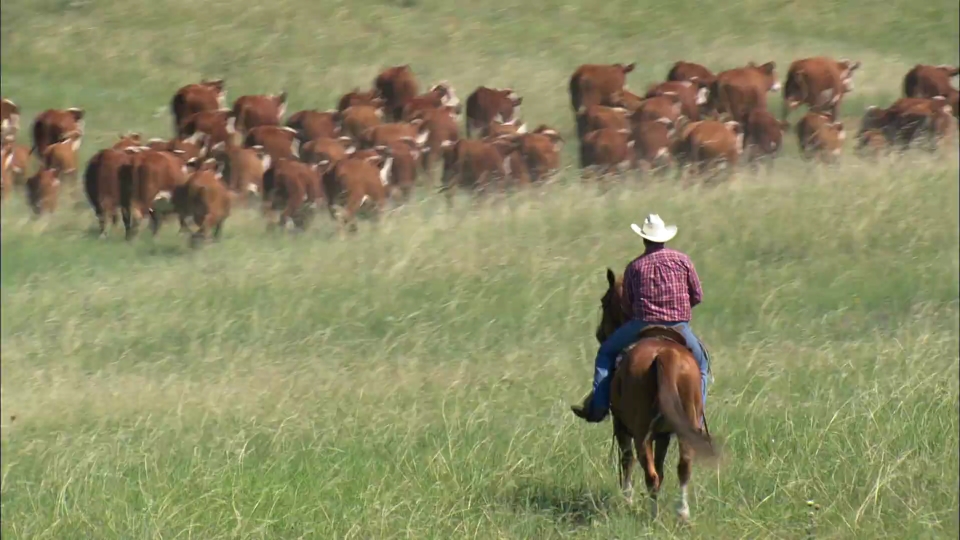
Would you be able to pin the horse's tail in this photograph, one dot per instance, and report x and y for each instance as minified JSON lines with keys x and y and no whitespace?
{"x":671,"y":407}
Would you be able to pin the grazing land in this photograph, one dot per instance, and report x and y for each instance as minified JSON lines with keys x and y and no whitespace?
{"x":414,"y":380}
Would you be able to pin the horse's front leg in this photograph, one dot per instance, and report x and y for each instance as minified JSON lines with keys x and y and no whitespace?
{"x":625,"y":443}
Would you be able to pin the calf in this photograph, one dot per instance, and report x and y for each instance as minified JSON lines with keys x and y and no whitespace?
{"x":498,"y":129}
{"x":315,"y":124}
{"x":278,"y":142}
{"x":294,"y":188}
{"x":655,"y":108}
{"x":62,"y":156}
{"x":818,"y":82}
{"x":711,"y":143}
{"x":486,"y":105}
{"x":475,"y":164}
{"x":763,"y":136}
{"x":187,"y":148}
{"x":652,"y":138}
{"x":204,"y":198}
{"x":242,"y":169}
{"x":42,"y":190}
{"x":596,"y":117}
{"x":259,"y":110}
{"x":925,"y":81}
{"x":101,"y":179}
{"x":51,"y":125}
{"x":909,"y":119}
{"x":9,"y":118}
{"x":326,"y":148}
{"x":440,"y":95}
{"x":6,"y":156}
{"x":607,"y":149}
{"x":351,"y":182}
{"x":386,"y":134}
{"x":147,"y":187}
{"x":541,"y":152}
{"x":208,"y":127}
{"x":688,"y":71}
{"x":195,"y":98}
{"x":399,"y":170}
{"x":597,"y":84}
{"x":357,"y":119}
{"x":397,"y":86}
{"x":820,"y":136}
{"x":356,"y":97}
{"x":689,"y":96}
{"x":740,"y":90}
{"x":19,"y":155}
{"x":437,"y":127}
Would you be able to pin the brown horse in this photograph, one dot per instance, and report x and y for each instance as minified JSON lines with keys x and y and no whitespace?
{"x":655,"y":392}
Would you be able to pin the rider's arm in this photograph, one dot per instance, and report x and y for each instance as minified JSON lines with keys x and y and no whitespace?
{"x":693,"y":285}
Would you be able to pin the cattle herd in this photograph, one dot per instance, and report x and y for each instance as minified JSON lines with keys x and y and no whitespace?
{"x":370,"y":148}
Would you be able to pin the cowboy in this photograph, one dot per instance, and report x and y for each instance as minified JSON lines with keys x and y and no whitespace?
{"x":660,"y":287}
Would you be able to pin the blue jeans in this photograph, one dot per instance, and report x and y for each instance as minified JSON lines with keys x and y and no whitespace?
{"x":620,"y":339}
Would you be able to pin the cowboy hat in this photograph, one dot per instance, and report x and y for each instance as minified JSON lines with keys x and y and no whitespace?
{"x":654,"y":230}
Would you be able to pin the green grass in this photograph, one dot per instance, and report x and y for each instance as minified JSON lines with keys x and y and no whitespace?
{"x":414,"y":381}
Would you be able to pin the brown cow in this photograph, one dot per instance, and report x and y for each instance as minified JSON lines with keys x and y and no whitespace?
{"x":313,"y":124}
{"x":439,"y":96}
{"x":349,"y":183}
{"x":475,"y":164}
{"x":399,"y":170}
{"x":386,"y":134}
{"x":607,"y":150}
{"x":820,"y":136}
{"x":596,"y":117}
{"x":19,"y":155}
{"x":711,"y":143}
{"x":356,"y":120}
{"x":909,"y":119}
{"x":52,"y":124}
{"x":925,"y":81}
{"x":208,"y":127}
{"x":541,"y":152}
{"x":598,"y":84}
{"x":295,"y":188}
{"x":655,"y":108}
{"x":738,"y":91}
{"x":189,"y":148}
{"x":279,"y":142}
{"x":101,"y":179}
{"x":689,"y":71}
{"x":42,"y":190}
{"x":9,"y":118}
{"x":396,"y":85}
{"x":651,"y":143}
{"x":6,"y":156}
{"x":204,"y":198}
{"x":498,"y":129}
{"x":242,"y":168}
{"x":486,"y":105}
{"x":147,"y":187}
{"x":62,"y":156}
{"x":259,"y":110}
{"x":356,"y":97}
{"x":763,"y":136}
{"x":690,"y":97}
{"x":195,"y":98}
{"x":436,"y":126}
{"x":326,"y":148}
{"x":818,"y":82}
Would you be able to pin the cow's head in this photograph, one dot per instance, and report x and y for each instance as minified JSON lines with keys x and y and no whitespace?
{"x":736,"y":129}
{"x":127,"y":139}
{"x":626,"y":68}
{"x":515,"y":98}
{"x":281,"y":102}
{"x":949,"y":71}
{"x":448,"y":96}
{"x":552,"y":134}
{"x":219,"y":86}
{"x":847,"y":67}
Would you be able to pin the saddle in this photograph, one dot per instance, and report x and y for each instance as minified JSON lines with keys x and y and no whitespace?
{"x":655,"y":331}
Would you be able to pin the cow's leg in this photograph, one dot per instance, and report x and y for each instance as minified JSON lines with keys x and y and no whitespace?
{"x":154,"y":222}
{"x":625,"y":443}
{"x":129,"y":226}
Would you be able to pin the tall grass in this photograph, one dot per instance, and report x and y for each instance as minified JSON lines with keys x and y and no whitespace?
{"x":414,"y":381}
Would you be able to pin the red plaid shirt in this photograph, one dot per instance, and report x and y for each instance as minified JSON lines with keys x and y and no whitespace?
{"x":661,"y":286}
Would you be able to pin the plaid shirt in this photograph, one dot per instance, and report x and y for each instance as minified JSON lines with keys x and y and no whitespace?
{"x":661,"y":286}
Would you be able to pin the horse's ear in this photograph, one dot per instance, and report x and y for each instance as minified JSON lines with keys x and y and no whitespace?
{"x":611,"y":278}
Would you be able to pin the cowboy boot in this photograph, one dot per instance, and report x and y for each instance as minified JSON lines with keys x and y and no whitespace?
{"x":586,"y":411}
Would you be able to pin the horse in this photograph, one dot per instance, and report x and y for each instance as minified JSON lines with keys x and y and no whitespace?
{"x":655,"y":392}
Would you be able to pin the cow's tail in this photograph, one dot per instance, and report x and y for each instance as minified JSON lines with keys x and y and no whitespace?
{"x":794,"y":89}
{"x":671,"y":407}
{"x":575,"y":92}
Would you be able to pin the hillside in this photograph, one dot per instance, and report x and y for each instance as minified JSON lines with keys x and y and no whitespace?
{"x":414,"y":381}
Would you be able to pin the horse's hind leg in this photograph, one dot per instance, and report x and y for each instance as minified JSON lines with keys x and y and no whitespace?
{"x":652,"y":479}
{"x":684,"y":468}
{"x":625,"y":443}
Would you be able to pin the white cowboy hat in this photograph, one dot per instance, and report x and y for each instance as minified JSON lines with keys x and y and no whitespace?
{"x":654,"y":230}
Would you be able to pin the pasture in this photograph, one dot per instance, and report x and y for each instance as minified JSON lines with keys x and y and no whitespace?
{"x":415,"y":380}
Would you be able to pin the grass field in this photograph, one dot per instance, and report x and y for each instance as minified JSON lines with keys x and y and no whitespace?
{"x":414,"y":381}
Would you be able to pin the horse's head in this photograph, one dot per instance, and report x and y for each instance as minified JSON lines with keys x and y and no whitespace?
{"x":611,"y":307}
